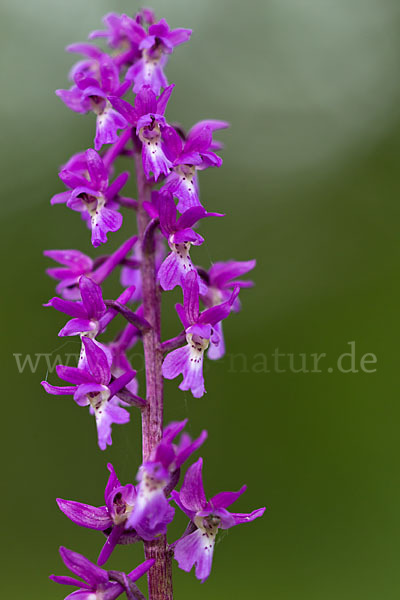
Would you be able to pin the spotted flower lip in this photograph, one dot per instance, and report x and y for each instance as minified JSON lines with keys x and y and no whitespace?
{"x":110,"y":518}
{"x":189,"y":156}
{"x":152,"y":511}
{"x":93,"y":196}
{"x":90,"y":315}
{"x":95,"y":584}
{"x":200,"y":329}
{"x":95,"y":80}
{"x":92,"y":386}
{"x":196,"y":549}
{"x":180,"y":235}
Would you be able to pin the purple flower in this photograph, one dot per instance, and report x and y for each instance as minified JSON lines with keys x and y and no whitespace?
{"x":180,"y":235}
{"x":93,"y":196}
{"x":221,"y":278}
{"x":130,"y":273}
{"x":110,"y":518}
{"x":152,"y":512}
{"x":77,"y":264}
{"x":155,"y":46}
{"x":92,"y":386}
{"x":189,"y":156}
{"x":96,"y":584}
{"x":208,"y":517}
{"x":90,"y":316}
{"x":95,"y":81}
{"x":148,"y":117}
{"x":121,"y":35}
{"x":200,"y":329}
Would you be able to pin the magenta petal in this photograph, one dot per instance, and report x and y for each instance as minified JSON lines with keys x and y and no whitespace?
{"x":123,"y":108}
{"x":225,"y":499}
{"x":195,"y":549}
{"x":112,"y":483}
{"x":74,"y":99}
{"x":191,"y":297}
{"x":181,"y":361}
{"x":106,"y":220}
{"x":154,"y":160}
{"x":73,"y":309}
{"x":111,"y":542}
{"x":175,"y":497}
{"x":85,"y":515}
{"x":82,"y":391}
{"x":215,"y":314}
{"x":163,"y":99}
{"x":107,"y":124}
{"x":110,"y":414}
{"x":185,"y":451}
{"x":97,"y":361}
{"x":65,"y":580}
{"x":192,"y":493}
{"x":60,"y":198}
{"x":92,"y":298}
{"x":247,"y":517}
{"x":58,"y":390}
{"x":97,"y":171}
{"x":75,"y":326}
{"x":221,"y":274}
{"x":73,"y":374}
{"x":183,"y":186}
{"x":82,"y":567}
{"x":117,"y":185}
{"x":141,"y":569}
{"x":119,"y":383}
{"x":170,"y":273}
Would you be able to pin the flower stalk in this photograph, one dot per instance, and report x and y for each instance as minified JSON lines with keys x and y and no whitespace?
{"x":160,"y":575}
{"x":168,"y":211}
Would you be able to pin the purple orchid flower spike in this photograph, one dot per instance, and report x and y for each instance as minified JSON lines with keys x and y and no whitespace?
{"x":93,"y":196}
{"x":152,"y":511}
{"x":221,"y":278}
{"x":200,"y":333}
{"x":155,"y":46}
{"x":208,"y":517}
{"x":92,"y":386}
{"x":96,"y":584}
{"x":75,"y":264}
{"x":110,"y":518}
{"x":189,"y":156}
{"x":180,"y":235}
{"x":94,"y":84}
{"x":90,"y":316}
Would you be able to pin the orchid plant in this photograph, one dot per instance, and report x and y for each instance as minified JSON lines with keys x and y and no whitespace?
{"x":127,"y":89}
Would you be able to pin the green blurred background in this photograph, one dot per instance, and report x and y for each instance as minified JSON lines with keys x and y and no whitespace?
{"x":310,"y":184}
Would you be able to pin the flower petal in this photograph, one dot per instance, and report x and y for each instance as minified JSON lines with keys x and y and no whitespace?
{"x":195,"y":549}
{"x":92,"y":517}
{"x":97,"y":361}
{"x":92,"y":298}
{"x":192,"y":493}
{"x":82,"y":567}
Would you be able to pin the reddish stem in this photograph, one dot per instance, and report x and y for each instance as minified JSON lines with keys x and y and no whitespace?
{"x":160,"y":575}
